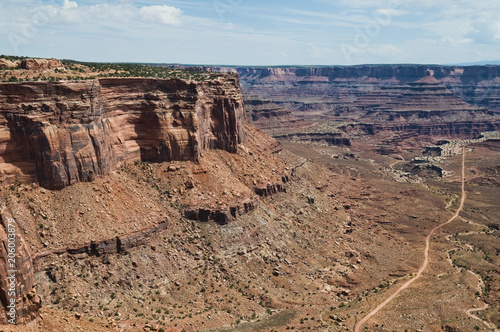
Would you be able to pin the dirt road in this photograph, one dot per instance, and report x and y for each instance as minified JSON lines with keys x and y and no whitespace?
{"x":359,"y":324}
{"x":402,"y":160}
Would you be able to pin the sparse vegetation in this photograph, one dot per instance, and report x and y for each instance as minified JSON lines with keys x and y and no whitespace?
{"x":75,"y":70}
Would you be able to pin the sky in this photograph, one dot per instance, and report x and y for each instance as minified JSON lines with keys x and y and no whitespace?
{"x":253,"y":32}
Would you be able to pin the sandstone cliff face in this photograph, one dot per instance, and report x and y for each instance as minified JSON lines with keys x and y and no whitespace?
{"x":67,"y":132}
{"x":17,"y":280}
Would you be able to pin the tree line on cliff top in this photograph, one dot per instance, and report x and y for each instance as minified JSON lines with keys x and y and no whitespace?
{"x":75,"y":70}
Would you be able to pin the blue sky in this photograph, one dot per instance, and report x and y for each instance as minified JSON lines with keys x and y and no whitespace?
{"x":257,"y":32}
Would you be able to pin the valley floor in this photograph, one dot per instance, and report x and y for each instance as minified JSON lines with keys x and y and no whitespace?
{"x":344,"y":233}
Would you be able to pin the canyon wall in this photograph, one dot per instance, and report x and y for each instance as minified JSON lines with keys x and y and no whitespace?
{"x":272,"y":118}
{"x":476,"y":85}
{"x":395,"y":102}
{"x":60,"y":133}
{"x":396,"y":73}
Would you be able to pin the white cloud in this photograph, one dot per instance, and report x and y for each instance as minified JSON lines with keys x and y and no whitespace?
{"x":465,"y":23}
{"x":70,"y":13}
{"x":161,"y":14}
{"x":69,"y":4}
{"x":392,"y":12}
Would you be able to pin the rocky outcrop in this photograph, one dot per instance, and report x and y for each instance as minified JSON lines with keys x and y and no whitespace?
{"x":6,"y":64}
{"x":115,"y":245}
{"x":20,"y":301}
{"x":328,"y":138}
{"x":221,"y":215}
{"x":432,"y":151}
{"x":61,"y":133}
{"x":269,"y":189}
{"x":232,"y":210}
{"x":41,"y":64}
{"x":424,"y":169}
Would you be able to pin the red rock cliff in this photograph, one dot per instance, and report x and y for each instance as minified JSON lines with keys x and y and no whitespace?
{"x":60,"y":133}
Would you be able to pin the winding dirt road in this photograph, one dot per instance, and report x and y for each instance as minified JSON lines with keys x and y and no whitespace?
{"x":359,"y":324}
{"x":402,"y":160}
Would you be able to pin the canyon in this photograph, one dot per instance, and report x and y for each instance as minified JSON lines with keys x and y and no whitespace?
{"x":402,"y":104}
{"x":150,"y":203}
{"x":58,"y":134}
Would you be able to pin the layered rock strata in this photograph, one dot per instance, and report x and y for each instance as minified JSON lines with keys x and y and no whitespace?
{"x":115,"y":245}
{"x":269,"y":189}
{"x":403,"y":100}
{"x":221,"y":215}
{"x":230,"y":211}
{"x":396,"y":102}
{"x":426,"y":94}
{"x":329,"y":138}
{"x":61,"y":133}
{"x":315,"y":87}
{"x":272,"y":118}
